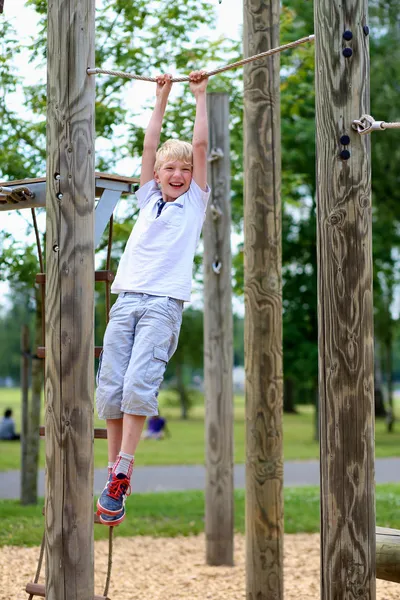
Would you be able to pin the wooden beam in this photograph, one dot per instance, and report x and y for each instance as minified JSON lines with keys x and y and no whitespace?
{"x":263,"y":304}
{"x":36,"y":589}
{"x":218,"y":341}
{"x":98,"y":276}
{"x":69,"y":391}
{"x":99,"y":434}
{"x":41,"y":351}
{"x":388,"y":554}
{"x":346,"y":378}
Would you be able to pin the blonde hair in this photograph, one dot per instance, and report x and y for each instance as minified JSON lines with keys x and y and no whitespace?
{"x":174,"y":150}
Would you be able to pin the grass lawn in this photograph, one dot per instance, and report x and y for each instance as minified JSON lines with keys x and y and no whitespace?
{"x":186,"y":444}
{"x":182,"y":513}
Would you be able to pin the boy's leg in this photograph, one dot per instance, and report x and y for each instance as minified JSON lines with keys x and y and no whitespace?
{"x":132,"y":431}
{"x":114,"y":438}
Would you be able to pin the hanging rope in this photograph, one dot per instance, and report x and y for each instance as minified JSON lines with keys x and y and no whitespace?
{"x":367,"y":124}
{"x":110,"y":557}
{"x":40,"y":562}
{"x":239,"y":63}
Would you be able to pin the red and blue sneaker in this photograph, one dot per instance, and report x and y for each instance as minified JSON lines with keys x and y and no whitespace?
{"x":113,"y":497}
{"x":112,"y":520}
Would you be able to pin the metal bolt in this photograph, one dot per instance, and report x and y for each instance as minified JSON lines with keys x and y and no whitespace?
{"x":59,"y":196}
{"x":345,"y":155}
{"x":348,"y":35}
{"x":57,"y":176}
{"x":347,"y":52}
{"x":345,"y":140}
{"x":55,"y":248}
{"x":366,"y":30}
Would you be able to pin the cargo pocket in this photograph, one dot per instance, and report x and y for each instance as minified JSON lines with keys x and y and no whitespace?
{"x":156,"y":367}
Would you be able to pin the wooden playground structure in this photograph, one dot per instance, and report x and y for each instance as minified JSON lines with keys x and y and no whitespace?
{"x":353,"y":551}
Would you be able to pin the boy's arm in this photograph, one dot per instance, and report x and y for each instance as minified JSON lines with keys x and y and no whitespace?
{"x":153,"y":131}
{"x":198,"y":85}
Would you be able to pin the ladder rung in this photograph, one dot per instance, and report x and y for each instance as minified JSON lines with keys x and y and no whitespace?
{"x":41,"y":351}
{"x":99,"y":434}
{"x":37,"y":589}
{"x":98,"y":276}
{"x":96,"y":518}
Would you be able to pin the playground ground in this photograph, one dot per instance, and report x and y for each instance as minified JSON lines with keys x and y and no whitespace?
{"x":148,"y":568}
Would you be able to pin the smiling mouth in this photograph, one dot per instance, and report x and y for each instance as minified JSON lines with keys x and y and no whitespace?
{"x":176,"y":185}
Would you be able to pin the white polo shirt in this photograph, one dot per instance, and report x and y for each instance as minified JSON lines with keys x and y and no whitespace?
{"x":158,"y":257}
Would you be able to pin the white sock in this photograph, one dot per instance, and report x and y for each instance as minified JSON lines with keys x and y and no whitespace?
{"x":110,"y":467}
{"x":124,"y":464}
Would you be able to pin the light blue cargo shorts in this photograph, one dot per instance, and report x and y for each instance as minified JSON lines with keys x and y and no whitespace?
{"x":140,"y":338}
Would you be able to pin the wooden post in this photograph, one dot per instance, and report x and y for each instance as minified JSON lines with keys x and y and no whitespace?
{"x":346,"y":379}
{"x":218,"y":340}
{"x":25,"y":350}
{"x":69,"y":388}
{"x":263,"y":304}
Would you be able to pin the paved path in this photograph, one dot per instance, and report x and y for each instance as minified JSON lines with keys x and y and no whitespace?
{"x":180,"y":477}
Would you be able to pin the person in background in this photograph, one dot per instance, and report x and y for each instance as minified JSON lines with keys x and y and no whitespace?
{"x":7,"y":427}
{"x":156,"y":428}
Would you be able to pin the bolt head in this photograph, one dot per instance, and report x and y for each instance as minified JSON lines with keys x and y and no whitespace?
{"x":347,"y":52}
{"x":345,"y":140}
{"x":345,"y":155}
{"x":348,"y":35}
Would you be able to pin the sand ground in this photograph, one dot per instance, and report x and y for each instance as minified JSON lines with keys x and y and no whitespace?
{"x":172,"y":568}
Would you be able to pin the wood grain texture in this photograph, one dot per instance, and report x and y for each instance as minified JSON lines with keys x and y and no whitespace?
{"x":218,"y":343}
{"x":346,"y":383}
{"x":69,"y":386}
{"x":263,"y":304}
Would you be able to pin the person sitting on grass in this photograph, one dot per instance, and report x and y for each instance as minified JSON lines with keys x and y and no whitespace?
{"x":7,"y":427}
{"x":153,"y":280}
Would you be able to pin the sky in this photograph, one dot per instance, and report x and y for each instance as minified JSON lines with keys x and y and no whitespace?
{"x":24,"y":19}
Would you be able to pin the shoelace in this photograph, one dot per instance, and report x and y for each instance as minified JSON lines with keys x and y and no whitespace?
{"x":118,"y":487}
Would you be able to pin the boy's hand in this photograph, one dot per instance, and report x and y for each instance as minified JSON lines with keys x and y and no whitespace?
{"x":164,"y":85}
{"x":198,"y":81}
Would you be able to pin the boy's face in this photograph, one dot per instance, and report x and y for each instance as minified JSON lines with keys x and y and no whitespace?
{"x":174,"y":177}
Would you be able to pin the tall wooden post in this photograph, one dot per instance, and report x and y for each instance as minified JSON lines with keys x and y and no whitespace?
{"x":69,"y":386}
{"x":263,"y":304}
{"x":346,"y":380}
{"x":218,"y":340}
{"x":25,"y":350}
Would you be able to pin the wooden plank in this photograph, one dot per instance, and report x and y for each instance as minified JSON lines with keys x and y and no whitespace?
{"x":388,"y":554}
{"x":69,"y":387}
{"x":263,"y":304}
{"x":98,"y":276}
{"x":41,"y":351}
{"x":344,"y":225}
{"x":99,"y":434}
{"x":37,"y":589}
{"x":108,"y":176}
{"x":218,"y":343}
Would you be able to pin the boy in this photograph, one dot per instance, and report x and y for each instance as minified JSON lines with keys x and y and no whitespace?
{"x":153,"y":281}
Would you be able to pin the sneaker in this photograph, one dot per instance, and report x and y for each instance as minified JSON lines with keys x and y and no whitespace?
{"x":112,"y":499}
{"x":112,"y":520}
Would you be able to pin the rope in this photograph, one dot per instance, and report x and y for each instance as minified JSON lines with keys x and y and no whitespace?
{"x":14,"y":196}
{"x":40,"y":562}
{"x":367,"y":124}
{"x":110,"y":556}
{"x":239,"y":63}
